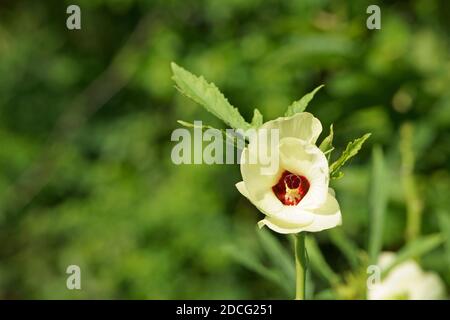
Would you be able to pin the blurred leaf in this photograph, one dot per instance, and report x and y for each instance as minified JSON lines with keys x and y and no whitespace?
{"x":319,"y":48}
{"x":444,"y":223}
{"x":209,"y":96}
{"x":415,"y":249}
{"x":346,"y":246}
{"x":349,"y":152}
{"x":377,"y":204}
{"x":412,"y":195}
{"x":278,"y":255}
{"x":327,"y":294}
{"x":309,"y":285}
{"x":300,"y":105}
{"x":318,"y":262}
{"x":251,"y":262}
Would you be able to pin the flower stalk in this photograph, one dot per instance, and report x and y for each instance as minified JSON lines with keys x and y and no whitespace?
{"x":301,"y":265}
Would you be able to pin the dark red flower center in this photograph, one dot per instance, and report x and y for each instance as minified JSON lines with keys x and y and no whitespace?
{"x":291,"y":188}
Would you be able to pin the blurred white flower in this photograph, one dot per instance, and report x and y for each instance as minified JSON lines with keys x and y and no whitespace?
{"x":295,"y":196}
{"x":406,"y":281}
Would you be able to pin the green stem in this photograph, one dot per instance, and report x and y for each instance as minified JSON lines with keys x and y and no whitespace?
{"x":414,"y":204}
{"x":300,"y":265}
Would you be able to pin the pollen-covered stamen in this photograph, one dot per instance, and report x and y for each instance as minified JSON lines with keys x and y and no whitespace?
{"x":291,"y":188}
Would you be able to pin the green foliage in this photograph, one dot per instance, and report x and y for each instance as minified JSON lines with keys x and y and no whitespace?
{"x":415,"y":249}
{"x":444,"y":223}
{"x":327,"y":144}
{"x":247,"y":259}
{"x":377,"y":204}
{"x":318,"y":262}
{"x":106,"y":195}
{"x":347,"y":247}
{"x":300,"y":105}
{"x":350,"y":151}
{"x":280,"y":257}
{"x":280,"y":269}
{"x":228,"y":138}
{"x":207,"y":94}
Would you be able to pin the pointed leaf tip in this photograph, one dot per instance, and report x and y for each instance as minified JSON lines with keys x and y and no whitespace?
{"x":350,"y":151}
{"x":300,"y":105}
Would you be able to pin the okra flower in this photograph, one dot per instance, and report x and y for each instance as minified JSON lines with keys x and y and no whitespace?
{"x":407,"y":281}
{"x":295,"y":196}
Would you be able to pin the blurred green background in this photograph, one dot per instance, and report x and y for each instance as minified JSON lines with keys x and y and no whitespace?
{"x":86,"y":117}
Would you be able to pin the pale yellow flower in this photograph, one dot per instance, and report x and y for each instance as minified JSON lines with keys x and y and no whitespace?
{"x":407,"y":281}
{"x":295,"y":196}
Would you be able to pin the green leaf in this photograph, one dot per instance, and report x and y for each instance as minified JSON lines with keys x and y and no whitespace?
{"x":257,"y":119}
{"x":327,"y":294}
{"x":346,"y":246}
{"x":318,"y":262}
{"x":277,"y":254}
{"x":444,"y":223}
{"x":300,"y":105}
{"x":349,"y":152}
{"x":229,"y":139}
{"x":377,"y":204}
{"x":309,"y":285}
{"x":207,"y":95}
{"x":415,"y":249}
{"x":327,"y":144}
{"x":192,"y":125}
{"x":251,"y":262}
{"x":337,"y":175}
